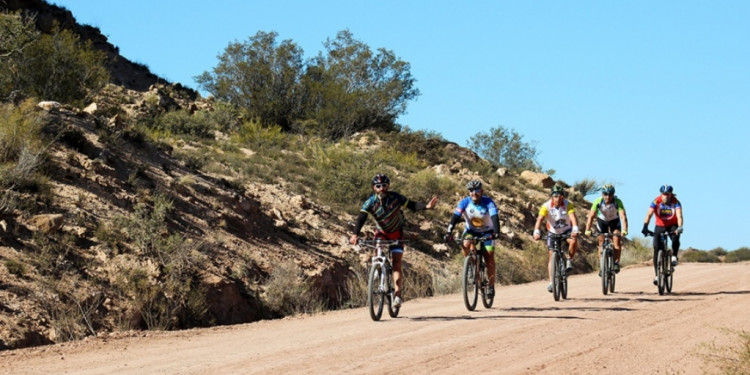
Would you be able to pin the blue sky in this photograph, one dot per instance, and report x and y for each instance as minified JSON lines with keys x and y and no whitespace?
{"x":636,"y":93}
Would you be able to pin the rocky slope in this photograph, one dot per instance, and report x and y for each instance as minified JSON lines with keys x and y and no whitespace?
{"x":236,"y":233}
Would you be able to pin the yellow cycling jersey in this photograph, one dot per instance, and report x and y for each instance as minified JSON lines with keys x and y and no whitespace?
{"x":558,"y":219}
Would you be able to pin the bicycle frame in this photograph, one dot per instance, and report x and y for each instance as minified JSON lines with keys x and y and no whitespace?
{"x":380,"y":278}
{"x":664,"y":268}
{"x":606,"y":263}
{"x":559,"y":273}
{"x":475,"y":278}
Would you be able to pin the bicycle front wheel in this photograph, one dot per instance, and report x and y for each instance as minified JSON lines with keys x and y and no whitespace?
{"x":670,"y":275}
{"x":661,"y":266}
{"x":375,"y":295}
{"x":557,"y":276}
{"x":469,"y":283}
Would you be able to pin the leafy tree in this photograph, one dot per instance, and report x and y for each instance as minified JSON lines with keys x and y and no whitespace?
{"x":16,"y":34}
{"x":56,"y":66}
{"x":505,"y":147}
{"x":351,"y":88}
{"x":260,"y":76}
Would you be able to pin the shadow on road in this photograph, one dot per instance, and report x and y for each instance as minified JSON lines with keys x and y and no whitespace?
{"x":487,"y":317}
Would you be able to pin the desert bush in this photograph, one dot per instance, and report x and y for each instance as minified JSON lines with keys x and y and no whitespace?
{"x":15,"y":268}
{"x":181,"y":122}
{"x":288,"y":292}
{"x":56,"y":66}
{"x":637,"y":251}
{"x":740,"y":255}
{"x":586,"y":186}
{"x":719,"y":251}
{"x":698,"y":256}
{"x":261,"y":138}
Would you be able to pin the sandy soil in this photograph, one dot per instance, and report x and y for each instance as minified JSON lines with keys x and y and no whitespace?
{"x":633,"y":331}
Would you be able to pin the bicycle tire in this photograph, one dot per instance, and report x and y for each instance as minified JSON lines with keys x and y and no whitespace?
{"x":556,"y":276}
{"x":661,"y":268}
{"x":375,"y":296}
{"x":604,"y":269}
{"x":469,"y":284}
{"x":486,"y":301}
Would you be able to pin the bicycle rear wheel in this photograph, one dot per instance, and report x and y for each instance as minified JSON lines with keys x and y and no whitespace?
{"x":661,"y":269}
{"x":486,"y":301}
{"x":375,"y":296}
{"x":556,"y":277}
{"x":469,"y":283}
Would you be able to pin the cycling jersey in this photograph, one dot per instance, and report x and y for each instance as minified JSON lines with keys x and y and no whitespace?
{"x":386,"y":211}
{"x":477,"y":215}
{"x":608,"y":211}
{"x":558,"y":219}
{"x":666,"y":214}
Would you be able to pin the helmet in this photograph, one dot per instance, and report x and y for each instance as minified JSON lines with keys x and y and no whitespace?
{"x":665,"y":189}
{"x":557,"y":190}
{"x":381,"y":179}
{"x":474,"y":184}
{"x":608,"y":189}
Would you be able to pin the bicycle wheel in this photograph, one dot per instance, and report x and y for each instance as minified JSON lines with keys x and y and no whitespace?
{"x":486,"y":301}
{"x":604,"y":269}
{"x":661,"y":269}
{"x":392,"y":311}
{"x":556,"y":276}
{"x":375,"y":296}
{"x":612,"y":274}
{"x":470,"y":283}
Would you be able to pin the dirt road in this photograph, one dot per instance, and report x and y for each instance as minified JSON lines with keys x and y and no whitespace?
{"x":634,"y":331}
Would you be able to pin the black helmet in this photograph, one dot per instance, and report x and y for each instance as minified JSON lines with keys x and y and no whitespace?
{"x":557,"y":190}
{"x":608,"y":189}
{"x":474,"y":184}
{"x":666,"y":189}
{"x":381,"y":179}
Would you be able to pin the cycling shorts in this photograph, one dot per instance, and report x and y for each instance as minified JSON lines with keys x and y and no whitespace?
{"x":488,"y":245}
{"x":608,"y":226}
{"x":397,"y":235}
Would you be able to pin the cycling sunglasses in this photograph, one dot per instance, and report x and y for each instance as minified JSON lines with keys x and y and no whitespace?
{"x":379,"y":186}
{"x":474,"y":190}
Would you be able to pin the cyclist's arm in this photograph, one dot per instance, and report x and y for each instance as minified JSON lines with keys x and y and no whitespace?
{"x":454,"y":220}
{"x":414,"y":206}
{"x":590,"y":219}
{"x":679,"y":216}
{"x":624,"y":220}
{"x":496,"y":223}
{"x":650,"y":213}
{"x":360,"y":222}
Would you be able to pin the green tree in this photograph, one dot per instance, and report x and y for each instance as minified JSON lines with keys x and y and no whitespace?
{"x":351,"y":88}
{"x":505,"y":147}
{"x":59,"y":67}
{"x":260,"y":76}
{"x":16,"y":34}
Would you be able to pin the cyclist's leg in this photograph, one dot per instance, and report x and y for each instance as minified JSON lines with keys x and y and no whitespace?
{"x":657,"y":246}
{"x":397,"y":270}
{"x":489,"y":258}
{"x":675,"y":239}
{"x":467,"y":245}
{"x":601,"y":227}
{"x":615,"y":227}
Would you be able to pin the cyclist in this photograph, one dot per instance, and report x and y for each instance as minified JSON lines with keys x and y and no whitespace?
{"x":668,"y":212}
{"x":480,"y":218}
{"x":385,"y":208}
{"x":610,"y":218}
{"x":561,"y":219}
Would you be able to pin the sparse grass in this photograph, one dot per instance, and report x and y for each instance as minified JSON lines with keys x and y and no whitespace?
{"x":288,"y":292}
{"x":728,"y":359}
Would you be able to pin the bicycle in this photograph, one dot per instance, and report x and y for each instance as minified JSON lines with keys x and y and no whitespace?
{"x":664,"y":267}
{"x":607,"y":263}
{"x":475,"y":278}
{"x":380,"y":278}
{"x":559,"y":272}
